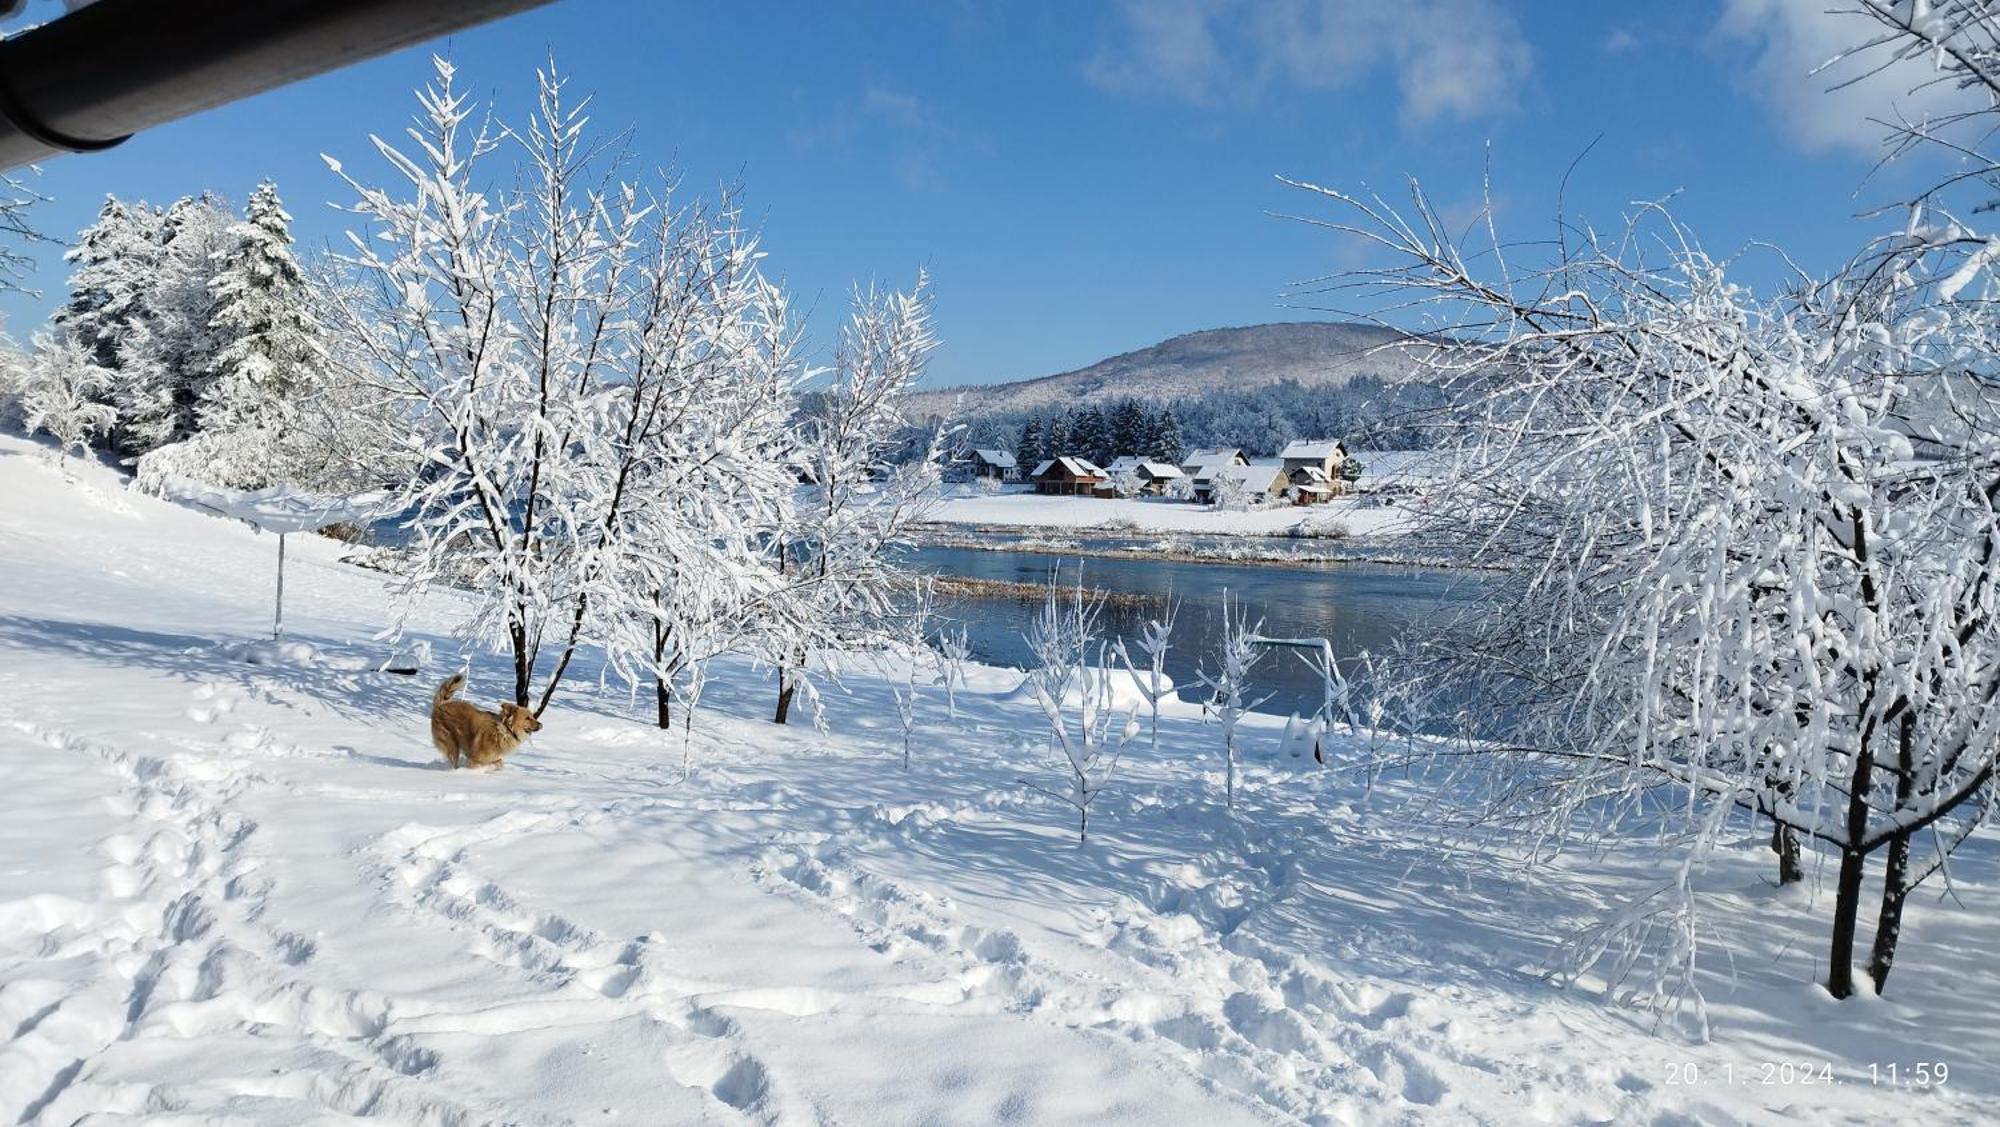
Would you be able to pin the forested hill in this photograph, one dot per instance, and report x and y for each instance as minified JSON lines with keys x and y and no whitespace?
{"x":1256,"y":387}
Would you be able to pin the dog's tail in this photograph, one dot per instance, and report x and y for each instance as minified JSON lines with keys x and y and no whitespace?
{"x":448,"y":690}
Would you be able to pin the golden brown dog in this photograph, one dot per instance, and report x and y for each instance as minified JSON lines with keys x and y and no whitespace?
{"x":480,"y":738}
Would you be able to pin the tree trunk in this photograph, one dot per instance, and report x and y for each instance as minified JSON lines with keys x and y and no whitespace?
{"x":1853,"y":859}
{"x":663,"y":699}
{"x":1846,"y":907}
{"x":517,"y":637}
{"x":1889,"y":923}
{"x":1785,"y":843}
{"x":785,"y":690}
{"x":1896,"y":871}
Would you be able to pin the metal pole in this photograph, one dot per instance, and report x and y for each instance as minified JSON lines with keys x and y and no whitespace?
{"x":278,"y":620}
{"x":87,"y":80}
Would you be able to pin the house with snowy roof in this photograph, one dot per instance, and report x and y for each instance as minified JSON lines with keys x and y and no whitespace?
{"x":1201,"y":466}
{"x":1153,"y":474}
{"x":993,"y":465}
{"x":1068,"y":475}
{"x":1326,"y":456}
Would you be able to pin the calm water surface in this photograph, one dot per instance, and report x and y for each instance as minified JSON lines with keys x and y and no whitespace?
{"x":1357,"y":606}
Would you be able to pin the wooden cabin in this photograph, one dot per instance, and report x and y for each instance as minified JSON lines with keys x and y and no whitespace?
{"x":1069,"y":476}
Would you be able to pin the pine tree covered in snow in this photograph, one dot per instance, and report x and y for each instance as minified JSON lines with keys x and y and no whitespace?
{"x":167,"y":362}
{"x":272,"y":356}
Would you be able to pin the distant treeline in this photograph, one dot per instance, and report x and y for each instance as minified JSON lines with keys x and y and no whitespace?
{"x":1366,"y":412}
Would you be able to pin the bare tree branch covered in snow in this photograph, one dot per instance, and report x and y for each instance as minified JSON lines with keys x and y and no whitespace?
{"x":1748,"y":547}
{"x":843,"y":586}
{"x":1155,"y":639}
{"x":1072,"y":683}
{"x":1229,"y":683}
{"x":62,"y":392}
{"x":599,"y":382}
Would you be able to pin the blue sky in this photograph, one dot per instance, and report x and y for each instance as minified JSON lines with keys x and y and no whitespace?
{"x":1084,"y":179}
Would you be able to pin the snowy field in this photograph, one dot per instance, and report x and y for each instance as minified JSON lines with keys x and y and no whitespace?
{"x":251,"y":893}
{"x":1018,"y":507}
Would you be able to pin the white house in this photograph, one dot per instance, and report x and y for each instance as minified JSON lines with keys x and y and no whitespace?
{"x":999,"y":465}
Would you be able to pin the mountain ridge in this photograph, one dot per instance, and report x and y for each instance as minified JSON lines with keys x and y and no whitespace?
{"x":1196,"y":364}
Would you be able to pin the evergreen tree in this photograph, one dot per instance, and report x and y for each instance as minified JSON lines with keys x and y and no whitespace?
{"x":1058,"y":440}
{"x":1028,"y":451}
{"x":114,"y":262}
{"x":168,"y":362}
{"x":273,"y":355}
{"x":1089,"y":435}
{"x":1167,"y":442}
{"x":1129,"y":429}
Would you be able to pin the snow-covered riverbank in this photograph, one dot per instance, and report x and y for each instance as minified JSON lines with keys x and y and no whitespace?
{"x":1017,"y":507}
{"x":252,"y":893}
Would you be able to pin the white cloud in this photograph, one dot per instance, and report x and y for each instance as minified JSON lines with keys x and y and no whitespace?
{"x":1449,"y":58}
{"x":1621,"y":41}
{"x":1789,"y":39}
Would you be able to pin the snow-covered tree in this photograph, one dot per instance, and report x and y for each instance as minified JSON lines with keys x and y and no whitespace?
{"x":1229,"y":685}
{"x":598,"y":385}
{"x":1228,"y":493}
{"x":954,"y":649}
{"x":166,"y":359}
{"x":1072,"y":683}
{"x":837,"y":552}
{"x":271,"y":357}
{"x":1745,"y":549}
{"x":62,"y":393}
{"x":1155,"y":639}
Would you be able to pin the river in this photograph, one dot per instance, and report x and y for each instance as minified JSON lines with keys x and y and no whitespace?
{"x":1359,"y":607}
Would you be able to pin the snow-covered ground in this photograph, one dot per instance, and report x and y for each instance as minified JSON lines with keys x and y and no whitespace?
{"x":252,"y":893}
{"x":1021,"y":507}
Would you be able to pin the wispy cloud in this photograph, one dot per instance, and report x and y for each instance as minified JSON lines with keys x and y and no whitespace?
{"x":911,"y":130}
{"x":1789,"y":39}
{"x":1621,"y":41}
{"x":1449,"y":58}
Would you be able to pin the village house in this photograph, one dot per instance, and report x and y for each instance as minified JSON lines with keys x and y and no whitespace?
{"x":1201,"y":466}
{"x":1261,"y":482}
{"x":992,"y":465}
{"x":1309,"y":485}
{"x":1153,"y":475}
{"x":1326,"y":456}
{"x":1066,"y":475}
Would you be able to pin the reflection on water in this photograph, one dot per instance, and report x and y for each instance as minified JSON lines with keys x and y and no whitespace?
{"x":1358,"y":607}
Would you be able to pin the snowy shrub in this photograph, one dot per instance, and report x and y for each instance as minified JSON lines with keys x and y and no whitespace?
{"x":1228,"y":493}
{"x":953,"y":649}
{"x":61,"y":394}
{"x":1181,"y":488}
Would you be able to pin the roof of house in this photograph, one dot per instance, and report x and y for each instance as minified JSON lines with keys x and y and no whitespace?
{"x":1124,"y":462}
{"x":1160,"y":470}
{"x":1230,"y":452}
{"x":1077,"y":467}
{"x":1313,"y":474}
{"x":1203,"y":464}
{"x":999,"y":458}
{"x":1318,"y":449}
{"x":1258,"y":475}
